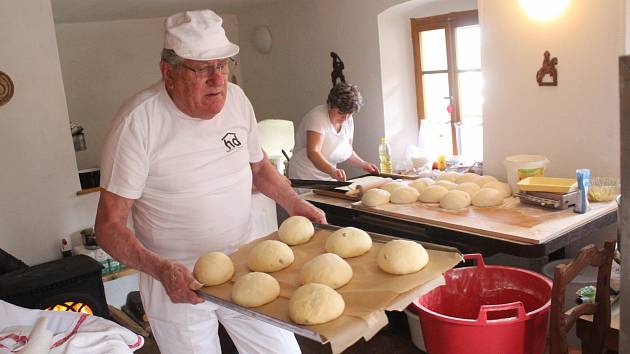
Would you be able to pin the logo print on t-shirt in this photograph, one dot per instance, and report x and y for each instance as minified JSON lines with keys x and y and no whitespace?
{"x":230,"y":141}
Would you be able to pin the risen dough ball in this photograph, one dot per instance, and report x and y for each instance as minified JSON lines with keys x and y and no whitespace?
{"x":487,"y":197}
{"x":421,"y":184}
{"x":484,"y":179}
{"x":404,"y":195}
{"x":446,"y":184}
{"x":469,"y":187}
{"x":270,"y":256}
{"x":375,"y":197}
{"x":500,"y":186}
{"x":296,"y":230}
{"x":328,"y":269}
{"x":314,"y":303}
{"x":392,"y":186}
{"x":348,"y":242}
{"x":450,"y":176}
{"x":213,"y":268}
{"x":455,"y":199}
{"x":255,"y":289}
{"x":402,"y":257}
{"x":467,"y":177}
{"x":433,"y":194}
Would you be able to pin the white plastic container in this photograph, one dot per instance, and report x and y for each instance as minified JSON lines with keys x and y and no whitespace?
{"x":414,"y":328}
{"x":522,"y":166}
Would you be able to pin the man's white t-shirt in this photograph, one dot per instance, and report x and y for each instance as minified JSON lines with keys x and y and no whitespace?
{"x":190,"y":178}
{"x":336,"y":146}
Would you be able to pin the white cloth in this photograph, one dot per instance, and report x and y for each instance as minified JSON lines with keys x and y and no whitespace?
{"x":40,"y":338}
{"x":191,"y":181}
{"x":190,"y":177}
{"x":73,"y":333}
{"x":336,"y":146}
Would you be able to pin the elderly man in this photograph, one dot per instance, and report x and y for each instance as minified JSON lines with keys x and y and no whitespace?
{"x":183,"y":155}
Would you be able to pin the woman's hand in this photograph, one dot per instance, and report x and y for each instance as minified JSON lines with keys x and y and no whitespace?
{"x":338,"y":174}
{"x":370,"y":168}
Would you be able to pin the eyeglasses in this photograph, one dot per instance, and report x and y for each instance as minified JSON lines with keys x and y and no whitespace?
{"x":221,"y":68}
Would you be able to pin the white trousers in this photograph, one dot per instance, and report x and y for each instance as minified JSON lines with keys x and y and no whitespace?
{"x":193,"y":329}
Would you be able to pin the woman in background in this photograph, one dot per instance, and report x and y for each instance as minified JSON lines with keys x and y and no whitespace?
{"x":324,"y":138}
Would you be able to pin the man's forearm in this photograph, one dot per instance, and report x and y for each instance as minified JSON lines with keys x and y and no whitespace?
{"x":273,"y":185}
{"x":119,"y":242}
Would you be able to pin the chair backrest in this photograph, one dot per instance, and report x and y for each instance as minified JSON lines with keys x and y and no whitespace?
{"x":561,"y":322}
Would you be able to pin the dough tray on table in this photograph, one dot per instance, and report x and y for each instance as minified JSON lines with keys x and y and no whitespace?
{"x":364,"y":315}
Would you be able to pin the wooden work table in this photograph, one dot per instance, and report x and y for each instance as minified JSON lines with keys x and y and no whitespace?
{"x":515,"y":229}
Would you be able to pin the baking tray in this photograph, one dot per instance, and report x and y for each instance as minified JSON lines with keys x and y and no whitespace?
{"x":302,"y":330}
{"x":548,"y":184}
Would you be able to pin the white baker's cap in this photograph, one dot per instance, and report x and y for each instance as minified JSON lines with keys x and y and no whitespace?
{"x":198,"y":35}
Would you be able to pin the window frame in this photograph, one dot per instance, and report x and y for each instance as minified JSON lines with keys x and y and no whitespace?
{"x":449,"y":22}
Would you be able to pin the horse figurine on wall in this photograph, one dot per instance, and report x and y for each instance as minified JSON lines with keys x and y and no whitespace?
{"x":548,"y":68}
{"x":337,"y":72}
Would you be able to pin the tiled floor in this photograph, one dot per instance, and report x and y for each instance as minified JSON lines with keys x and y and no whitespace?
{"x":394,"y":338}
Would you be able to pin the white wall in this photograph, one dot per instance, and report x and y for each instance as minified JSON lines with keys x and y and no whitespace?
{"x":397,"y":67}
{"x":576,"y":124}
{"x":295,"y":76}
{"x":105,"y":63}
{"x":38,"y":179}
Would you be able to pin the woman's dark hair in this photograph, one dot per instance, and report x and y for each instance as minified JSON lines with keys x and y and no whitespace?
{"x":345,"y":97}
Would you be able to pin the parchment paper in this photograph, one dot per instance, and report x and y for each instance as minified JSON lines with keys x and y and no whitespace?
{"x":367,"y":295}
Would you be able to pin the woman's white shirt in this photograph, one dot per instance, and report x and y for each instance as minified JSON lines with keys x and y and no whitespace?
{"x":335,"y":148}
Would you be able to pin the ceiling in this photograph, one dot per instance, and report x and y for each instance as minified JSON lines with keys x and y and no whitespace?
{"x":108,"y":10}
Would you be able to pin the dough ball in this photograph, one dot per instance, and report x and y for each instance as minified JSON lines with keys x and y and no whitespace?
{"x":213,"y":268}
{"x":375,"y":197}
{"x":455,"y":199}
{"x":328,"y":269}
{"x":404,"y":195}
{"x":314,"y":303}
{"x":255,"y":289}
{"x":450,"y":176}
{"x":487,"y":197}
{"x":484,"y":179}
{"x":433,"y":194}
{"x":467,"y":177}
{"x":296,"y":230}
{"x":402,"y":257}
{"x":270,"y":256}
{"x":469,"y":187}
{"x":392,"y":186}
{"x":500,"y":186}
{"x":421,"y":184}
{"x":348,"y":242}
{"x":446,"y":184}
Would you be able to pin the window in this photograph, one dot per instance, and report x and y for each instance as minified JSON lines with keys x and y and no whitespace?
{"x":448,"y":84}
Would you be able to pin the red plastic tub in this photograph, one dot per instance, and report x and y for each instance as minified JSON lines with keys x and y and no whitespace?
{"x":486,"y":310}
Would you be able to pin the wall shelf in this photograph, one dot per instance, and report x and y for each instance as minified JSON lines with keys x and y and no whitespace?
{"x":89,"y":190}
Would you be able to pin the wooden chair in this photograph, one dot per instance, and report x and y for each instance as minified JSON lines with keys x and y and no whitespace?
{"x":561,"y":322}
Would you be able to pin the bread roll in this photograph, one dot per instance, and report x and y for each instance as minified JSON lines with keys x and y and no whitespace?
{"x":269,"y":256}
{"x":296,"y":230}
{"x":213,"y":268}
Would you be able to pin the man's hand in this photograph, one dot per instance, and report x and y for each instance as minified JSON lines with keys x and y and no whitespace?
{"x":370,"y":168}
{"x":306,"y":209}
{"x":179,"y":283}
{"x":338,"y":174}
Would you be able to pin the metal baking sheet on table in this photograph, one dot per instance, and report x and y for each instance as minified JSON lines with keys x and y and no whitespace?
{"x":297,"y":329}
